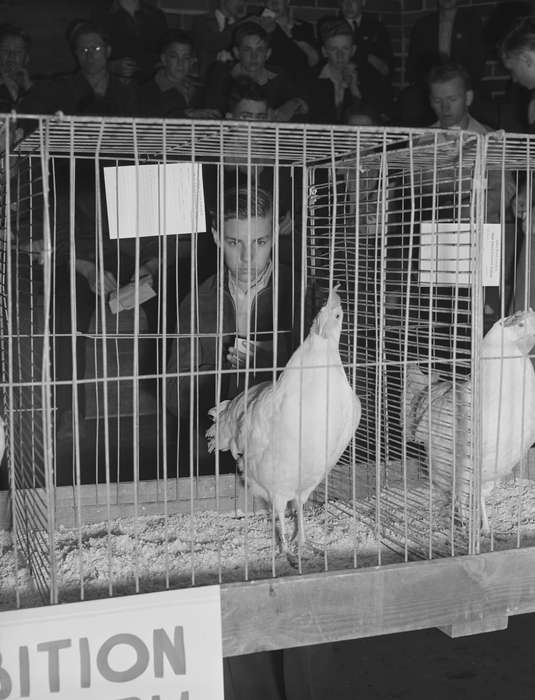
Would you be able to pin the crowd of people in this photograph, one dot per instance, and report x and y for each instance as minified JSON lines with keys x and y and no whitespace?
{"x":130,"y":63}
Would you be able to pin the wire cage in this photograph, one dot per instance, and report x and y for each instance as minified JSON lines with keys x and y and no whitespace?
{"x":122,"y":325}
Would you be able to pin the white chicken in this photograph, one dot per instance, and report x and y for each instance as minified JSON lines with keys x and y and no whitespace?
{"x":507,"y":398}
{"x":287,"y":435}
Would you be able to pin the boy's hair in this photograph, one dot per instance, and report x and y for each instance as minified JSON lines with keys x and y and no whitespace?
{"x":78,"y":28}
{"x":175,"y":36}
{"x":244,"y":88}
{"x":249,"y":28}
{"x":521,"y":37}
{"x":10,"y":30}
{"x":334,"y":27}
{"x":242,"y":203}
{"x":360,"y":108}
{"x":448,"y":70}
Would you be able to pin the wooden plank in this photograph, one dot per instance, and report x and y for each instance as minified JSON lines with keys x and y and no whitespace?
{"x":480,"y":625}
{"x":317,"y":608}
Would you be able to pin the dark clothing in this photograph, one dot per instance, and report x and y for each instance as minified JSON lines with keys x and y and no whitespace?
{"x":72,"y":94}
{"x":278,"y":89}
{"x":322,"y":108}
{"x":206,"y":311}
{"x":467,"y":45}
{"x":165,"y":103}
{"x":206,"y":355}
{"x":372,"y":39}
{"x":138,"y":37}
{"x":286,"y":54}
{"x":208,"y":40}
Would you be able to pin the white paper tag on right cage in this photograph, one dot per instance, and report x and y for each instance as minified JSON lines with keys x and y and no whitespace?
{"x":491,"y":255}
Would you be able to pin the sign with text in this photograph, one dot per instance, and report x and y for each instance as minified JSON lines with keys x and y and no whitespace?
{"x":155,"y":646}
{"x":154,"y":200}
{"x":446,"y":254}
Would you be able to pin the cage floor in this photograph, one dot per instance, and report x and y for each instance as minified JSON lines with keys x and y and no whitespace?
{"x":152,"y":553}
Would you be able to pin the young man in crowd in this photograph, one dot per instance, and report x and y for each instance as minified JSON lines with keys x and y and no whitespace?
{"x":374,"y":57}
{"x":173,"y":91}
{"x":238,"y":303}
{"x":449,"y":33}
{"x":15,"y":81}
{"x":252,"y":51}
{"x":518,"y":55}
{"x":450,"y":96}
{"x":92,"y":89}
{"x":212,"y":33}
{"x":337,"y":84}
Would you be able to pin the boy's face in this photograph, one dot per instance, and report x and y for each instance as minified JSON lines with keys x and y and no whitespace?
{"x":176,"y":61}
{"x":447,"y":4}
{"x":522,"y":68}
{"x":247,"y":247}
{"x":352,"y":8}
{"x":13,"y":55}
{"x":338,"y":50}
{"x":450,"y":101}
{"x":250,"y":110}
{"x":92,"y":53}
{"x":252,"y":53}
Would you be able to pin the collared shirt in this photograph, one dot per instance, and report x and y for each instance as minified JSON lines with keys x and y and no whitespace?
{"x":243,"y":299}
{"x":445,"y":31}
{"x":337,"y":81}
{"x":472,"y":125}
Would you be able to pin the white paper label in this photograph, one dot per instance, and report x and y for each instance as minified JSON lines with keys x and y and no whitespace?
{"x":154,"y":200}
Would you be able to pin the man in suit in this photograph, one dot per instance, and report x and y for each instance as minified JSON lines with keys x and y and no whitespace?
{"x":212,"y":33}
{"x":373,"y":52}
{"x":450,"y":32}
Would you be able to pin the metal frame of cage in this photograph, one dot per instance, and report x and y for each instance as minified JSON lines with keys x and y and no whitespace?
{"x":398,"y":163}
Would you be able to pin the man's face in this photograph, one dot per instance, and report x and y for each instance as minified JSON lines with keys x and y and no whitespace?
{"x":233,"y":8}
{"x":338,"y":50}
{"x":252,"y":53}
{"x":250,"y":110}
{"x":247,"y":247}
{"x":13,"y":55}
{"x":450,"y":101}
{"x":92,"y":53}
{"x":522,"y":68}
{"x":352,"y":9}
{"x":176,"y":61}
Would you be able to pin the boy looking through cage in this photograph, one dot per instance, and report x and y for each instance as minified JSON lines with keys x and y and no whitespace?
{"x":236,"y":330}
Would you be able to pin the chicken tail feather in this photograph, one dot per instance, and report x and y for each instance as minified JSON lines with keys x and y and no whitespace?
{"x":215,"y":428}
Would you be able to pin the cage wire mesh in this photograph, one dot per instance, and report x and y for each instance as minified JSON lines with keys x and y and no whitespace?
{"x":119,"y":334}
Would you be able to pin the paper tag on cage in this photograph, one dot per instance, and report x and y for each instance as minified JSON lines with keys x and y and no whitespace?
{"x":491,"y":255}
{"x":124,"y":299}
{"x":445,"y":253}
{"x":155,"y":200}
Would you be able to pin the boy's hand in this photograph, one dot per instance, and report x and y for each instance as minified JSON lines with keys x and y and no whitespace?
{"x":351,"y":79}
{"x":379,"y":65}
